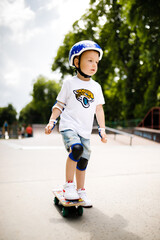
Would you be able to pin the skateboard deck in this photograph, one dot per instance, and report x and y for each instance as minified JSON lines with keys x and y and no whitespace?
{"x":75,"y":205}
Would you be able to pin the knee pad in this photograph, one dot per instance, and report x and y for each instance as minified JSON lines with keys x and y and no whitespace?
{"x":82,"y":164}
{"x":77,"y":150}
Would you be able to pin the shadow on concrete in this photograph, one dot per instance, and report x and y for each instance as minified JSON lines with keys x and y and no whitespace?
{"x":98,"y":226}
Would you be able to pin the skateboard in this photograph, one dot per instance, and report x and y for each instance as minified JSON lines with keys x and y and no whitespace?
{"x":68,"y":205}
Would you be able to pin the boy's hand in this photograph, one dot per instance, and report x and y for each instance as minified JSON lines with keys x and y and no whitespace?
{"x":104,"y":137}
{"x":102,"y":134}
{"x":50,"y":126}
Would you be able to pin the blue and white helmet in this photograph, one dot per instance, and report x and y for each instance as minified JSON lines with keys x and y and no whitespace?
{"x":81,"y":47}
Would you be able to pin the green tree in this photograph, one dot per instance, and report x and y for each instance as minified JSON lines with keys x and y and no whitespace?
{"x":144,"y":19}
{"x":128,"y":32}
{"x":8,"y":114}
{"x":44,"y":96}
{"x":29,"y":114}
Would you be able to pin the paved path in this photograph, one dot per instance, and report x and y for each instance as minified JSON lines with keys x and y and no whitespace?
{"x":127,"y":178}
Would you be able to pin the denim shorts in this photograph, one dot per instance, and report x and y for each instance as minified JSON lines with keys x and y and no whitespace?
{"x":70,"y":137}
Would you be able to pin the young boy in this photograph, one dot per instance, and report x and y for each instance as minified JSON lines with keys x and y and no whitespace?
{"x":77,"y":102}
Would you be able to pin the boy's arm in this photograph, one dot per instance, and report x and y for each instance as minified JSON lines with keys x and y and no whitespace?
{"x":101,"y":122}
{"x":56,"y":111}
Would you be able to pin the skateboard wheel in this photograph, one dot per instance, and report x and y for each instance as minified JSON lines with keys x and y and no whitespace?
{"x":56,"y":201}
{"x":80,"y":211}
{"x":65,"y":212}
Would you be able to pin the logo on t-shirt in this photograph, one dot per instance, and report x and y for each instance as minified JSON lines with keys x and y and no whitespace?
{"x":84,"y":96}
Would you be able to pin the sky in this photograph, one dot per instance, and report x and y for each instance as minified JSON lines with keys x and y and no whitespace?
{"x":31,"y":32}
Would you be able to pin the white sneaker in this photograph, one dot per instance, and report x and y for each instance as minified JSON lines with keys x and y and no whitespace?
{"x":82,"y":194}
{"x":70,"y":192}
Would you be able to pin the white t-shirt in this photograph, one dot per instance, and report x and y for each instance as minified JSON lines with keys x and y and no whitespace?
{"x":81,"y":98}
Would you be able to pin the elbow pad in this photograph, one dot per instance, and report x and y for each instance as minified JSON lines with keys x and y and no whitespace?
{"x":59,"y":105}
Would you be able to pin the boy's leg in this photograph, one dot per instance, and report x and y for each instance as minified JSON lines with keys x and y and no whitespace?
{"x":80,"y":178}
{"x":70,"y":169}
{"x":69,"y":190}
{"x":81,"y":172}
{"x":80,"y":175}
{"x":74,"y":147}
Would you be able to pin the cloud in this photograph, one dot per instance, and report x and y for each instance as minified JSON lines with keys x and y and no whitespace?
{"x":15,"y":15}
{"x":11,"y":77}
{"x":13,"y":88}
{"x":25,"y":19}
{"x":30,"y":33}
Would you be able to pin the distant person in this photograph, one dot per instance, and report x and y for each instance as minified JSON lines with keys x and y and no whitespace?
{"x":1,"y":132}
{"x":79,"y":100}
{"x":23,"y":131}
{"x":19,"y":133}
{"x":29,"y":131}
{"x":5,"y":126}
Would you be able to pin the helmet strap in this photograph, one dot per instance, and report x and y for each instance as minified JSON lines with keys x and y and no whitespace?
{"x":80,"y":71}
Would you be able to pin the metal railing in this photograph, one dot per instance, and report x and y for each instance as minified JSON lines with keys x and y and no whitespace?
{"x":116,"y":131}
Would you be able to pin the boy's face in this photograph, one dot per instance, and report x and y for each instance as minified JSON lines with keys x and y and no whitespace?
{"x":89,"y":62}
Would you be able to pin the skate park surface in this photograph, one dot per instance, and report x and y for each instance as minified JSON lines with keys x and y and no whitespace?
{"x":122,"y":181}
